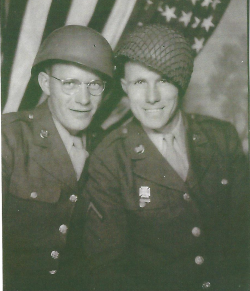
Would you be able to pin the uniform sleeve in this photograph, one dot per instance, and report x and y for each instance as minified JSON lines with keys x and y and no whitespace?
{"x":106,"y":228}
{"x":7,"y":163}
{"x":240,"y":202}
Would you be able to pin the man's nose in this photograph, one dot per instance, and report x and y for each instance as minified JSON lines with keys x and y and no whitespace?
{"x":153,"y":94}
{"x":83,"y":95}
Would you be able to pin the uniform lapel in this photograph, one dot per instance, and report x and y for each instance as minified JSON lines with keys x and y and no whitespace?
{"x":148,"y":161}
{"x":49,"y":150}
{"x":200,"y":151}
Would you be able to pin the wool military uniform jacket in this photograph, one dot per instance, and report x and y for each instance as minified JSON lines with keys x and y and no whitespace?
{"x":181,"y":236}
{"x":40,"y":196}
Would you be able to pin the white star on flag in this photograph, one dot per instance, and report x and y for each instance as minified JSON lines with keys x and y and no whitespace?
{"x":169,"y":13}
{"x":194,"y":1}
{"x":207,"y":23}
{"x":198,"y":45}
{"x":197,"y":22}
{"x":185,"y":18}
{"x":214,"y":4}
{"x":206,"y":3}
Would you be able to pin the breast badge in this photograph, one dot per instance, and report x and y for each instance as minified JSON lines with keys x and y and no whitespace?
{"x":144,"y":194}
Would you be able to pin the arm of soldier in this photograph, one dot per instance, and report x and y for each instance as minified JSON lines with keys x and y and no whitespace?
{"x":106,"y":230}
{"x":7,"y":163}
{"x":240,"y":202}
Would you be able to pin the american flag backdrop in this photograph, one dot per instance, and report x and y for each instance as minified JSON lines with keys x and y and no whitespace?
{"x":25,"y":23}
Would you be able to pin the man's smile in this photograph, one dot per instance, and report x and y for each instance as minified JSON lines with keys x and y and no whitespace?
{"x":80,"y":110}
{"x":153,"y":110}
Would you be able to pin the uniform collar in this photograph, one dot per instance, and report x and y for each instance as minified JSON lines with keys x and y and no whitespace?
{"x":66,"y":137}
{"x":179,"y":132}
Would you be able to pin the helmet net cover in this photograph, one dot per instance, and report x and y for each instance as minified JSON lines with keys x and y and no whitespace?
{"x":162,"y":49}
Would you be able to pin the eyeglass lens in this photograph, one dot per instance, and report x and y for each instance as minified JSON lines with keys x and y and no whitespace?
{"x":72,"y":86}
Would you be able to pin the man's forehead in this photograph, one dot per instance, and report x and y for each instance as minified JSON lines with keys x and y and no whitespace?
{"x":138,"y":67}
{"x":70,"y":67}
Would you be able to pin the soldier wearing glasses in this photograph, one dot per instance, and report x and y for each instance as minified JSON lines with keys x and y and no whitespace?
{"x":45,"y":154}
{"x":168,"y":191}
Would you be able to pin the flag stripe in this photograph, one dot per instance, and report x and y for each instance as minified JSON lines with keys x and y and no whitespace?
{"x":117,"y":21}
{"x":10,"y":38}
{"x":74,"y":12}
{"x":81,"y":12}
{"x":56,"y":18}
{"x":137,"y":17}
{"x":27,"y":46}
{"x":101,"y":14}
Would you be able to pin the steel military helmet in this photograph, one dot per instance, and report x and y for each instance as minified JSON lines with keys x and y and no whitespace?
{"x":162,"y":49}
{"x":78,"y":44}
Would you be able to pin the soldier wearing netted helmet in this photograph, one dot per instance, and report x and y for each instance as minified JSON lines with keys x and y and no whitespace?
{"x":45,"y":153}
{"x":168,"y":190}
{"x":161,"y":49}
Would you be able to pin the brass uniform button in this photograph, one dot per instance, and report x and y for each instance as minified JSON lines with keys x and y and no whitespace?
{"x":73,"y":198}
{"x":33,"y":195}
{"x":63,"y":228}
{"x":199,"y":260}
{"x":186,"y":197}
{"x":224,"y":181}
{"x":55,"y":255}
{"x":196,"y":231}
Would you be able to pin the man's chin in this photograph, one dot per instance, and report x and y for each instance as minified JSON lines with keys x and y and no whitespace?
{"x":76,"y":129}
{"x":153,"y":125}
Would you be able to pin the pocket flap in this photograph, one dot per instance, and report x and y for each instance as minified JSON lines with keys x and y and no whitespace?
{"x":36,"y":189}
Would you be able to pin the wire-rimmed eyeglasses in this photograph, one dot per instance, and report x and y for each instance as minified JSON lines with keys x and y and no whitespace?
{"x":72,"y":86}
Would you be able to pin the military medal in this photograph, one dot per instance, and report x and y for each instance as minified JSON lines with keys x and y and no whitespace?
{"x":144,"y":193}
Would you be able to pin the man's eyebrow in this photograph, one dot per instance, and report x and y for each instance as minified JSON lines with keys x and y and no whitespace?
{"x":135,"y":79}
{"x":72,"y":78}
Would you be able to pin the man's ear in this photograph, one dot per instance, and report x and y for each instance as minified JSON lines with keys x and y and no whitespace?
{"x":124,"y":85}
{"x":43,"y":80}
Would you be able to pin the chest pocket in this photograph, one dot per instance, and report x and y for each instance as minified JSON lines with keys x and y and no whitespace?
{"x":35,"y":189}
{"x":148,"y":199}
